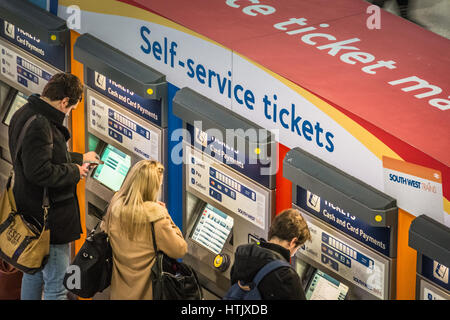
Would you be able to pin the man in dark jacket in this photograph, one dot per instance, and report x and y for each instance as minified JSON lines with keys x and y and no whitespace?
{"x":44,"y":161}
{"x":286,"y":234}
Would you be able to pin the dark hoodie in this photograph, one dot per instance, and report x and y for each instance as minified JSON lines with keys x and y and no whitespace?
{"x":281,"y":284}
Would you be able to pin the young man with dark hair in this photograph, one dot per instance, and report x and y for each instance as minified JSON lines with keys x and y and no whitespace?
{"x":286,"y":234}
{"x":44,"y":161}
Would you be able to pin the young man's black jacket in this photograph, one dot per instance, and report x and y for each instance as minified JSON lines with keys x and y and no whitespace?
{"x":280,"y":284}
{"x":39,"y":165}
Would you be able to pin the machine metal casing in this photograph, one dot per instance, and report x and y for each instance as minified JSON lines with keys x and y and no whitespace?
{"x":125,"y":107}
{"x":431,"y":239}
{"x":346,"y":217}
{"x":209,"y":178}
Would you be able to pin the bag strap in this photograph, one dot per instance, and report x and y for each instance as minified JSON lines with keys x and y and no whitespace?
{"x":22,"y":136}
{"x":158,"y":261}
{"x":10,"y":183}
{"x":45,"y":197}
{"x":154,"y":238}
{"x":271,"y":266}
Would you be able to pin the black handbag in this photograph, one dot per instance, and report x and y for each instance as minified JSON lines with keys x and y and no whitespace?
{"x":91,"y":269}
{"x":173,"y":280}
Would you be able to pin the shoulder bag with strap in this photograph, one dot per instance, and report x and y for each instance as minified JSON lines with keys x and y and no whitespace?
{"x":173,"y":280}
{"x":251,"y":292}
{"x":22,"y":244}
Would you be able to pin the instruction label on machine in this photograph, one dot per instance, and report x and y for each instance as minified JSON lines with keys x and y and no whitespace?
{"x":430,"y":292}
{"x":112,"y":123}
{"x":208,"y":177}
{"x":19,"y":69}
{"x":350,"y":260}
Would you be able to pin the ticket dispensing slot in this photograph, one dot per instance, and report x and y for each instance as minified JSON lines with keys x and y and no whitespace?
{"x":431,"y":240}
{"x":34,"y":45}
{"x":229,"y":168}
{"x":353,"y":228}
{"x":126,"y":118}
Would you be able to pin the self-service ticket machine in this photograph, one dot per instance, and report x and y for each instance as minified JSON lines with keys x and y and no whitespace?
{"x":432,"y":242}
{"x":353,"y":226}
{"x":228,"y":185}
{"x":125,"y":117}
{"x":34,"y":45}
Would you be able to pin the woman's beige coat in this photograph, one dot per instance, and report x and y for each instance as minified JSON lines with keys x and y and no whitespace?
{"x":133,"y":260}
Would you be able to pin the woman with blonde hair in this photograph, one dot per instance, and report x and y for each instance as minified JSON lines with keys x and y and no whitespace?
{"x":128,"y":223}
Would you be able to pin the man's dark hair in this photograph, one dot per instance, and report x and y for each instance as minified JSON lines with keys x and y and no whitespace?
{"x":290,"y":224}
{"x":64,"y":85}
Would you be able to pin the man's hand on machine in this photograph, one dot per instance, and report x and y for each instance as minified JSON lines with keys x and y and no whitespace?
{"x":92,"y":159}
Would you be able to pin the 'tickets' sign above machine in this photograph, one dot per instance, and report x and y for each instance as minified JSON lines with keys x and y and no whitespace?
{"x":228,"y":183}
{"x":34,"y":45}
{"x":43,"y":36}
{"x":126,"y":117}
{"x":353,"y":229}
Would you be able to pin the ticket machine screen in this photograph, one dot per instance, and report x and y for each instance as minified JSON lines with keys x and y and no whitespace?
{"x":212,"y":229}
{"x":324,"y":287}
{"x":115,"y":168}
{"x":19,"y":100}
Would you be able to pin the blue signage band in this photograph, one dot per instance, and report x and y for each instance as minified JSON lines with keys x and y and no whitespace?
{"x":148,"y":109}
{"x":56,"y":56}
{"x":377,"y":238}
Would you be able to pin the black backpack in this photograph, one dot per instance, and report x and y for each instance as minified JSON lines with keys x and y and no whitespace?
{"x":91,"y":270}
{"x":236,"y":292}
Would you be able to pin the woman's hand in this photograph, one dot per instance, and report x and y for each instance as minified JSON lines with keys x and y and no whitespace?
{"x":161,"y":203}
